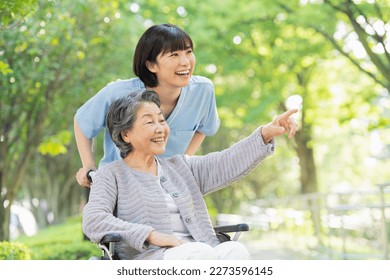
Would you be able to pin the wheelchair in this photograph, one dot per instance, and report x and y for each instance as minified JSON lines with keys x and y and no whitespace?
{"x":107,"y":244}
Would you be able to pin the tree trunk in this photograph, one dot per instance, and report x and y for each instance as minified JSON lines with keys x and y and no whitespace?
{"x":304,"y":141}
{"x":308,"y":174}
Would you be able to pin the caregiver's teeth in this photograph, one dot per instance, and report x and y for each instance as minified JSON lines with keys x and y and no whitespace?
{"x":183,"y":72}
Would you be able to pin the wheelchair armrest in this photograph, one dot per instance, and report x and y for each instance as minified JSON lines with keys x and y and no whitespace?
{"x":222,"y":231}
{"x":111,"y":237}
{"x":232,"y":228}
{"x":107,"y":244}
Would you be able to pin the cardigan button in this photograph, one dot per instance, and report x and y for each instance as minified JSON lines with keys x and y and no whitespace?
{"x":187,"y":220}
{"x":175,"y":194}
{"x":163,"y":179}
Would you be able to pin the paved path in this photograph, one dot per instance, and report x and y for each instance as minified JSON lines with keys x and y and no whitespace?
{"x":262,"y":251}
{"x":269,"y":250}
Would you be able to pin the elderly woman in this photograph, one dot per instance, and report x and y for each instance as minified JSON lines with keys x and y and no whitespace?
{"x":158,"y":203}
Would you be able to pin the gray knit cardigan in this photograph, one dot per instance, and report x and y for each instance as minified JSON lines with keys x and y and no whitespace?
{"x":140,"y":203}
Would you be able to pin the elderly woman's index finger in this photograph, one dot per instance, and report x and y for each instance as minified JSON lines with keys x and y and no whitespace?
{"x":288,"y":114}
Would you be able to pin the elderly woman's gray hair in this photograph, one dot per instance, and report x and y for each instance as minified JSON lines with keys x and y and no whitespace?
{"x":122,"y":115}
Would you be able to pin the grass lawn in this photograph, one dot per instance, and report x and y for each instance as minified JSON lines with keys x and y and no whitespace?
{"x":60,"y":242}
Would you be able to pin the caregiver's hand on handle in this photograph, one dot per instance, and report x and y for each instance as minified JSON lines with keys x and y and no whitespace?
{"x":281,"y":124}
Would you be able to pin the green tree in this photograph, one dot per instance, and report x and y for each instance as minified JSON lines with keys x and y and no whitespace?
{"x":362,"y":25}
{"x":268,"y":59}
{"x":12,"y":12}
{"x":356,"y":30}
{"x":259,"y":59}
{"x":52,"y":57}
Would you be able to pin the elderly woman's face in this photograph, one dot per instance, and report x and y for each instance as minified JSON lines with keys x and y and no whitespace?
{"x":150,"y":131}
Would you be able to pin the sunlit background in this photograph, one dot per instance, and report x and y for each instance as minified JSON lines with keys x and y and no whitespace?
{"x":323,"y":195}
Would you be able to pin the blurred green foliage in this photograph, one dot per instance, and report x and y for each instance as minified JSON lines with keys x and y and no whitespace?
{"x":11,"y":11}
{"x":14,"y":251}
{"x":61,"y":242}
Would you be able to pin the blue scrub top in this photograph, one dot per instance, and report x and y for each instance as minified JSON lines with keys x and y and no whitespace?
{"x":195,"y":110}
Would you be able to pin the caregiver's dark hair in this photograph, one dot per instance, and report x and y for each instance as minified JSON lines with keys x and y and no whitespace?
{"x":122,"y":114}
{"x":157,"y":39}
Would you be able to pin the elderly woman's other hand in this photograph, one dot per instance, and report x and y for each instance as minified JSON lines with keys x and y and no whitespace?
{"x":164,"y":240}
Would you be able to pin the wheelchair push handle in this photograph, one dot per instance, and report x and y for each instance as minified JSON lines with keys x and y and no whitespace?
{"x":90,"y":175}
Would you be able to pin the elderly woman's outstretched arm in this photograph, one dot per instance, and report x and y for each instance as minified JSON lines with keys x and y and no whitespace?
{"x":217,"y":170}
